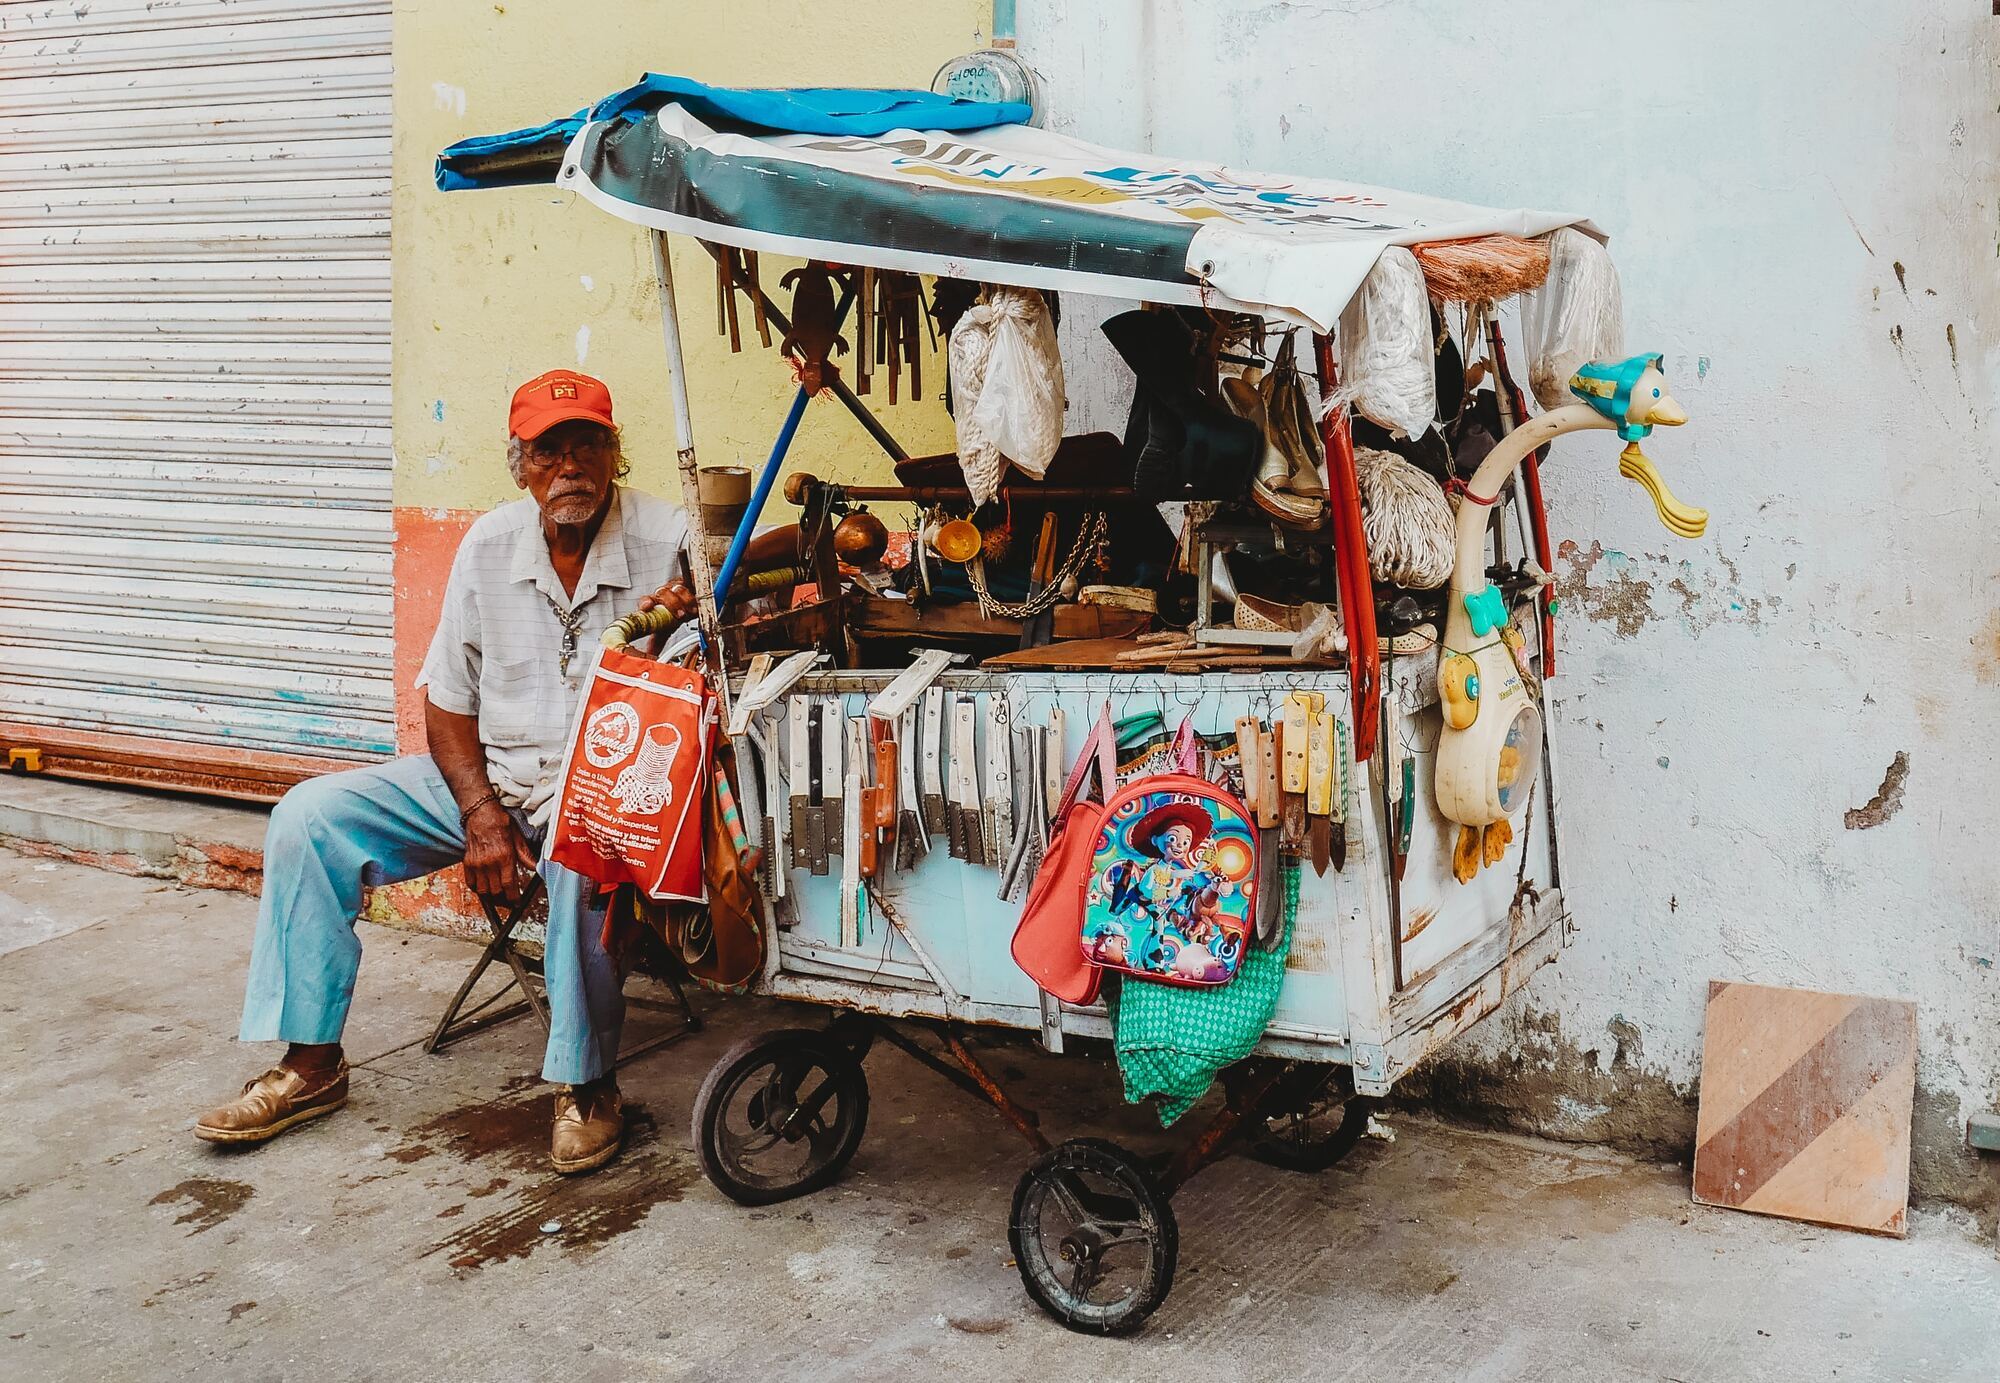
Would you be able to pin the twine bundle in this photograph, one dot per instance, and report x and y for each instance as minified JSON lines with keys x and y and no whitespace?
{"x":1408,"y":522}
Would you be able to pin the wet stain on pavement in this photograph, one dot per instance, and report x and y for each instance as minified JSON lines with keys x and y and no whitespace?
{"x":210,"y":1201}
{"x":591,"y":1210}
{"x":181,"y":1284}
{"x":512,"y":1132}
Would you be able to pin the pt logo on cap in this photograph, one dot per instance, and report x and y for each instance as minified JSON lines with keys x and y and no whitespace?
{"x":563,"y":389}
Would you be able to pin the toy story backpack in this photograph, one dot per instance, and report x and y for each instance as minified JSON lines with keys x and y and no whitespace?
{"x":1171,"y":891}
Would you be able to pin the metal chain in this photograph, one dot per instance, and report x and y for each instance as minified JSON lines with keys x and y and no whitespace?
{"x":1092,"y":532}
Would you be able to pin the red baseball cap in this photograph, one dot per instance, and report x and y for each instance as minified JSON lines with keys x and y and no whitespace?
{"x":557,"y":397}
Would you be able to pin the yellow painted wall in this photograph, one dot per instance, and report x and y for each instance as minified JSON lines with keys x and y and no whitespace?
{"x":492,"y":288}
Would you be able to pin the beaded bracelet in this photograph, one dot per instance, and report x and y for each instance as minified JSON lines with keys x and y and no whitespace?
{"x":465,"y":813}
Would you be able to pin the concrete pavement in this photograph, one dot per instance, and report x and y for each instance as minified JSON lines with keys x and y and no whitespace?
{"x":402,"y":1238}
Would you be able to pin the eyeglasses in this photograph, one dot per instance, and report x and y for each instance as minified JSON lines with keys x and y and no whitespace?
{"x":586,"y":451}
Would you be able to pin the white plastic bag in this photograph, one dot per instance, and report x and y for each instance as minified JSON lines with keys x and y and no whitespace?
{"x":1577,"y":316}
{"x":1007,"y":388}
{"x":1386,"y":369}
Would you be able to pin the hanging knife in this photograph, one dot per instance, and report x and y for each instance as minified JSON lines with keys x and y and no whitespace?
{"x":798,"y":735}
{"x":1270,"y":807}
{"x":963,"y":800}
{"x":833,"y":746}
{"x":931,"y":806}
{"x":1319,"y":788}
{"x":880,"y":823}
{"x":1052,"y":762}
{"x":911,"y":842}
{"x":852,"y":738}
{"x":1343,"y":782}
{"x":817,"y":828}
{"x":996,"y":815}
{"x":1031,"y":837}
{"x":1293,"y":749}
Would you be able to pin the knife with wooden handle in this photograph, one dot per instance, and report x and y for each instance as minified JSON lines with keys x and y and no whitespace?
{"x":1319,"y":789}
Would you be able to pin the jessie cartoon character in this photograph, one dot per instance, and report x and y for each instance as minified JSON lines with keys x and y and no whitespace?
{"x":1169,"y":836}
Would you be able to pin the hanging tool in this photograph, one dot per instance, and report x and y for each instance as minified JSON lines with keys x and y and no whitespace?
{"x":761,"y":691}
{"x":996,"y":806}
{"x":1054,"y":769}
{"x":816,"y":828}
{"x":1343,"y":788}
{"x":854,"y":740}
{"x":1270,"y":805}
{"x":1038,"y":629}
{"x":911,"y":841}
{"x":1319,"y":788}
{"x":833,"y":761}
{"x":931,"y":805}
{"x":1031,"y":835}
{"x":1294,"y":749}
{"x":775,"y":861}
{"x":912,"y":682}
{"x":962,"y":803}
{"x":798,"y":735}
{"x":880,"y":826}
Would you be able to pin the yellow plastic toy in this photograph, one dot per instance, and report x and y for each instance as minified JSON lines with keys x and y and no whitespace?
{"x":1490,"y":751}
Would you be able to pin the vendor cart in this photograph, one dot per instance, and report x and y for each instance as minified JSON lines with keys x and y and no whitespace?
{"x":1392,"y":953}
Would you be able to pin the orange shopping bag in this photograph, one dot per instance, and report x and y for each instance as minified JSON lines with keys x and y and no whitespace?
{"x":634,"y":778}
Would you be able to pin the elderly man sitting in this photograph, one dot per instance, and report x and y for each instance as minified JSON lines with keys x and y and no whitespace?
{"x":534,"y":585}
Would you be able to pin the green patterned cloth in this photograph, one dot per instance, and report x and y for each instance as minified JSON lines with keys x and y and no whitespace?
{"x":1173,"y":1039}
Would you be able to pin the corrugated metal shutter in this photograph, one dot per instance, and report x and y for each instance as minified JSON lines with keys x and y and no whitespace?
{"x":195,"y":522}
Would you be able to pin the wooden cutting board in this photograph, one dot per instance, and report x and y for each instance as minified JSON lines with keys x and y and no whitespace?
{"x":1075,"y":655}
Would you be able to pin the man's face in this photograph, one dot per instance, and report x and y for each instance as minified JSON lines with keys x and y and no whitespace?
{"x":569,"y":471}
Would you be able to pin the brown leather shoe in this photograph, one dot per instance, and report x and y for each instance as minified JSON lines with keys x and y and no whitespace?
{"x":272,"y":1103}
{"x":590,"y":1124}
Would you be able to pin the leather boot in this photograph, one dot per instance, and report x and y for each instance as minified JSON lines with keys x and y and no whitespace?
{"x":590,"y":1125}
{"x":1183,"y":445}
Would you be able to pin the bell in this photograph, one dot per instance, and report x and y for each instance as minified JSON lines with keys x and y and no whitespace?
{"x":860,"y":539}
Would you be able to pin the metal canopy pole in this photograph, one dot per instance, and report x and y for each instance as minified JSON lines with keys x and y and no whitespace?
{"x":697,"y":553}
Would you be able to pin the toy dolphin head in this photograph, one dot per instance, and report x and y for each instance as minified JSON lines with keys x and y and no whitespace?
{"x":1632,"y":394}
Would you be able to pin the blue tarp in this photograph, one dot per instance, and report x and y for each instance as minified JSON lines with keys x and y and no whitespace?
{"x":523,"y":156}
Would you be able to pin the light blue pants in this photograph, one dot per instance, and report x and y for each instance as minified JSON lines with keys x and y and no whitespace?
{"x":328,"y":839}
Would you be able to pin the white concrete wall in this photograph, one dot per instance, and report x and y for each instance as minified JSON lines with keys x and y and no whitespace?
{"x":1801,"y":197}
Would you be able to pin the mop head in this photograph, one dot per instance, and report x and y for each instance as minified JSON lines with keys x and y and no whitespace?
{"x":1411,"y":531}
{"x":1482,"y":270}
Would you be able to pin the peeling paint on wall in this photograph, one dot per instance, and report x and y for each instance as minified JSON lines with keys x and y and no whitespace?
{"x":1887,"y":801}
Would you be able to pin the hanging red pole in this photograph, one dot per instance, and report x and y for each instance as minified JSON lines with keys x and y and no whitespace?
{"x":1357,"y":590}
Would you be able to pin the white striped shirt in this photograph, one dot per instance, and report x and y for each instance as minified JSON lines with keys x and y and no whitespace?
{"x":497,"y":651}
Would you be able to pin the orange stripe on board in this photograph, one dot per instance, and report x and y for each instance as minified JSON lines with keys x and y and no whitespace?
{"x":1756,"y":1032}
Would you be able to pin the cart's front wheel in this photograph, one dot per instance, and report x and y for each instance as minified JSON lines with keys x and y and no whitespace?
{"x":781,"y":1114}
{"x":1094,"y":1237}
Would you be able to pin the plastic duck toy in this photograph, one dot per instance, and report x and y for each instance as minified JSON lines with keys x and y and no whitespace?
{"x":1490,"y":750}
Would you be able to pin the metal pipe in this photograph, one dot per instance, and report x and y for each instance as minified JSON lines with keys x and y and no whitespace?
{"x":697,"y":552}
{"x":734,"y":557}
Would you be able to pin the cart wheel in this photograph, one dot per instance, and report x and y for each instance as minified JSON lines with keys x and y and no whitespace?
{"x":780,"y":1115}
{"x":1094,"y":1237}
{"x":1315,"y":1136}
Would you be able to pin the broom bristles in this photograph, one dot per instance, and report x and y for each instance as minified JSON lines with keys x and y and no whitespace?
{"x":1484,"y":269}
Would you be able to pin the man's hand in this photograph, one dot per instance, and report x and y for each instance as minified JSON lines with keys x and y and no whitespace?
{"x":498,"y":862}
{"x":677,"y":597}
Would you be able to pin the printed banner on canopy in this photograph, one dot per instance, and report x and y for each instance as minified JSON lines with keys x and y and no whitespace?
{"x":1014,"y":204}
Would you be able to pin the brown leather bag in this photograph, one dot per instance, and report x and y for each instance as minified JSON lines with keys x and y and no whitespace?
{"x":720,"y":942}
